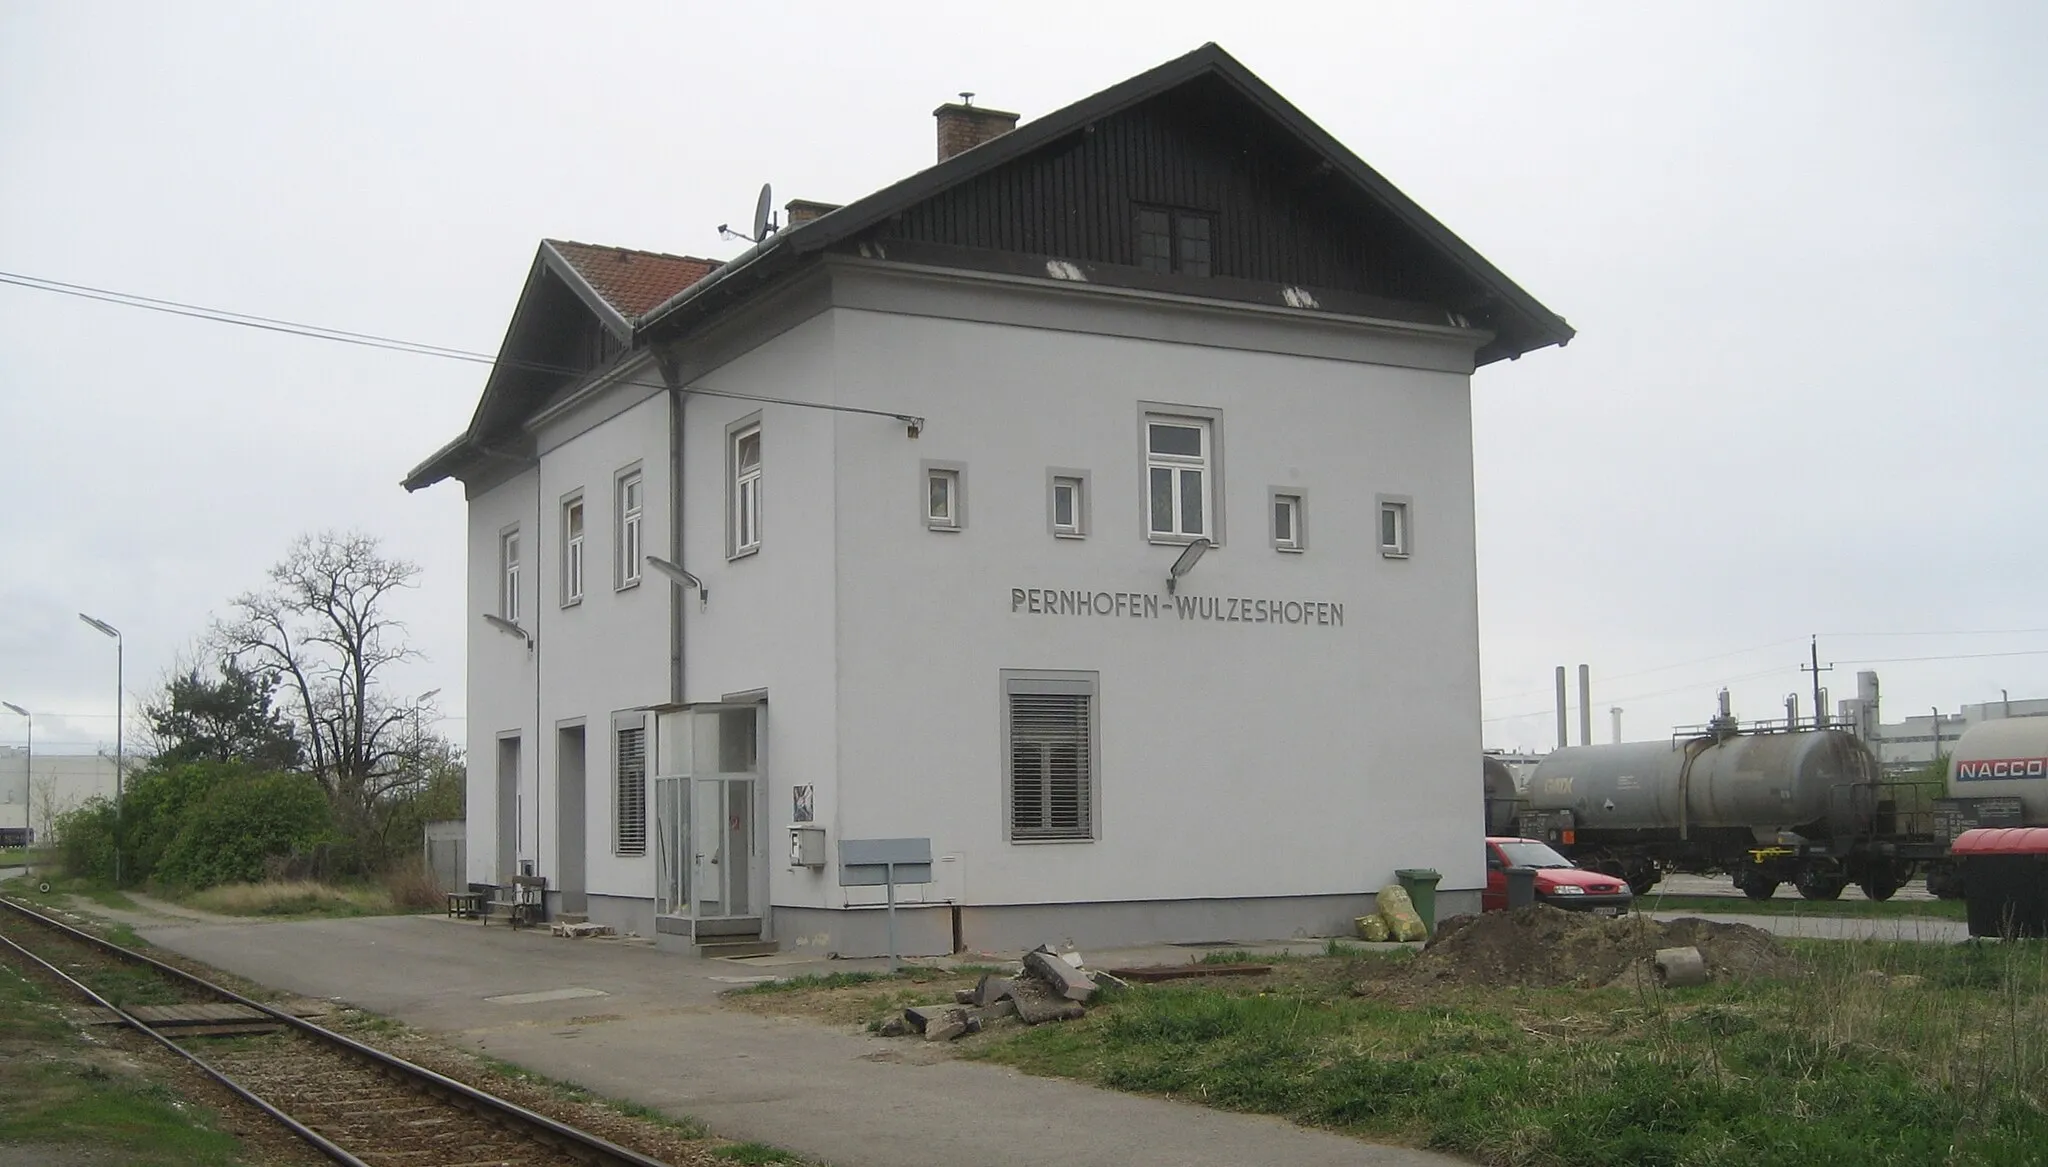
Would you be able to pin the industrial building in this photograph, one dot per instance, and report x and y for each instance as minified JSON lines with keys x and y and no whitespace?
{"x":1095,"y":503}
{"x":1913,"y":741}
{"x":35,"y":791}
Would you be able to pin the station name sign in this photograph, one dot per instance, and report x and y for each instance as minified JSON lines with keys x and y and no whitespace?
{"x":1154,"y":606}
{"x":1993,"y":769}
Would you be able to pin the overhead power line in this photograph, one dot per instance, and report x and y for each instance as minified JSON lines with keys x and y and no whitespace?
{"x":392,"y":343}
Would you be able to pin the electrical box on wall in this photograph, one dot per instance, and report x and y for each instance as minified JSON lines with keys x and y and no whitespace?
{"x":806,"y":846}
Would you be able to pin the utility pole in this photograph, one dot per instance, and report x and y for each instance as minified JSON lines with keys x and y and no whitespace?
{"x":1820,"y":711}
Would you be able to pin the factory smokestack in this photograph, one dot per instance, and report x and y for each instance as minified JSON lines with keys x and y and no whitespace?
{"x":1563,"y":733}
{"x":1616,"y":714}
{"x":1585,"y":706}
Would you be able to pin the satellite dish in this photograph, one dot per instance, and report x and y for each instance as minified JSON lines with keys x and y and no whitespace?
{"x":761,"y":213}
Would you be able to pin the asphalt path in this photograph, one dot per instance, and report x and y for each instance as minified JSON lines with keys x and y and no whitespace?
{"x":1719,"y":885}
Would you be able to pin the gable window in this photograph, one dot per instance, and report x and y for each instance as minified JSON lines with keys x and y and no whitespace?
{"x":1050,"y":755}
{"x":743,"y":523}
{"x":1066,"y":503}
{"x":572,"y":551}
{"x":1290,"y":513}
{"x":631,"y":502}
{"x":508,"y":564}
{"x":1179,"y":478}
{"x":1172,"y":240}
{"x":629,"y":771}
{"x":1395,"y":537}
{"x":945,"y":496}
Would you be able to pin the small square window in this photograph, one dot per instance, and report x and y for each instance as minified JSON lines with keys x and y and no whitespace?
{"x":944,"y":495}
{"x":1066,"y":503}
{"x":1396,"y":535}
{"x":1290,"y":520}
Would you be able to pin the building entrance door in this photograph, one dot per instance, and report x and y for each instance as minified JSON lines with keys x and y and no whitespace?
{"x":711,"y":860}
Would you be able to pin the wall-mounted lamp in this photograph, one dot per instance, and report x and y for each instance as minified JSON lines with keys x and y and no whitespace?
{"x":1186,"y":563}
{"x":915,"y":425}
{"x":510,"y":629}
{"x":676,"y":574}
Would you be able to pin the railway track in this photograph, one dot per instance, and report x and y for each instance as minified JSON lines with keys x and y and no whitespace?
{"x":350,"y":1102}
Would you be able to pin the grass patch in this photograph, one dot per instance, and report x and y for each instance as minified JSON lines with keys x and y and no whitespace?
{"x":855,"y":998}
{"x":301,"y":898}
{"x":56,"y":1091}
{"x":755,"y":1153}
{"x":1795,"y":906}
{"x":838,"y":980}
{"x":1880,"y":1053}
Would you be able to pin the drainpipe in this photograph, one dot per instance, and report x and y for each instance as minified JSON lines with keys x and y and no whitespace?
{"x":676,"y":607}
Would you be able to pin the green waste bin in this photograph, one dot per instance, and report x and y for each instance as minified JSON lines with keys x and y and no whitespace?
{"x":1420,"y":884}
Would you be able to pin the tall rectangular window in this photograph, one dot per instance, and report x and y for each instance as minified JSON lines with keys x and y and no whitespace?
{"x":1177,"y":477}
{"x":572,"y":552}
{"x":1050,"y":754}
{"x":744,"y":526}
{"x":508,"y":562}
{"x":631,"y":503}
{"x":1396,"y":539}
{"x":629,"y":769}
{"x":1172,"y":240}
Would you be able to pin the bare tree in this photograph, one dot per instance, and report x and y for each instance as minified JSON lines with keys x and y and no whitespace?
{"x":47,"y":805}
{"x":323,"y":629}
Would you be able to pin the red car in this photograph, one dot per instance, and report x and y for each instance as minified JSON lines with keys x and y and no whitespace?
{"x":1558,"y":883}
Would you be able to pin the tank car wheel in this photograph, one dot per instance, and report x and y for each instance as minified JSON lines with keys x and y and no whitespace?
{"x":1879,"y":888}
{"x":1944,"y":882}
{"x":1813,"y":885}
{"x":1756,"y":885}
{"x":1643,"y":883}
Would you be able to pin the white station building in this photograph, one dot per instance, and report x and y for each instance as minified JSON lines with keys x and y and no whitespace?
{"x":1095,"y":503}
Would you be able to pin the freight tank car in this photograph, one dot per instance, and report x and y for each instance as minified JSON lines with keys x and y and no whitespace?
{"x":1997,"y":777}
{"x":1771,"y":804}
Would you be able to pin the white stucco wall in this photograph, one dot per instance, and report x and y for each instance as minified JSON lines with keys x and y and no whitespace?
{"x":1236,"y":759}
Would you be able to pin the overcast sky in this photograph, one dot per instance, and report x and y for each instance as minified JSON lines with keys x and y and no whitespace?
{"x":1803,"y":246}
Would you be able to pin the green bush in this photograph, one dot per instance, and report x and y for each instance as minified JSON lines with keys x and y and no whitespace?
{"x":86,"y":840}
{"x":156,"y":808}
{"x":242,"y":822}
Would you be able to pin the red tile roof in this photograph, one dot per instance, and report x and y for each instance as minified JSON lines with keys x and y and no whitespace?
{"x":633,"y":282}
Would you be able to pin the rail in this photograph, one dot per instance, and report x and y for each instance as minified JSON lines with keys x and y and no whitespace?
{"x":577,"y":1143}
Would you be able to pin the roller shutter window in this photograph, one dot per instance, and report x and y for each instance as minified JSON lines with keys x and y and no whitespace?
{"x":630,"y":770}
{"x":1050,"y":722}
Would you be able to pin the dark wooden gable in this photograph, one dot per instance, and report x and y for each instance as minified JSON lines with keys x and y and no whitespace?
{"x":555,"y":340}
{"x":1279,"y":212}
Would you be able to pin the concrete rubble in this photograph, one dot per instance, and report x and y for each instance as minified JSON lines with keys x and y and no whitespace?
{"x":1051,"y":987}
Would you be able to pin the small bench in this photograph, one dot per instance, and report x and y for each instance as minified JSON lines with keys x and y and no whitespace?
{"x":527,"y":904}
{"x":465,"y":905}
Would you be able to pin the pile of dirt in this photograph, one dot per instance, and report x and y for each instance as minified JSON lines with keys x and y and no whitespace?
{"x":1545,"y":946}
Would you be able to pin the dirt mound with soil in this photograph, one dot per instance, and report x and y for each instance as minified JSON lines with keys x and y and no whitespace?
{"x":1545,"y":946}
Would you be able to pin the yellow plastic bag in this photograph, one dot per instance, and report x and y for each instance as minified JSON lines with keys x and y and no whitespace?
{"x":1402,"y":920}
{"x":1373,"y":928}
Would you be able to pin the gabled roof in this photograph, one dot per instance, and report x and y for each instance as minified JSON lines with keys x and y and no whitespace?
{"x":631,"y":282}
{"x":1527,"y":325}
{"x":616,"y":285}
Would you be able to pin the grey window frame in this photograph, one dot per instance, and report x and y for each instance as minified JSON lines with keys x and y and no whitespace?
{"x":734,"y":431}
{"x":1379,"y":518}
{"x":958,"y":472}
{"x":623,"y":723}
{"x":1084,"y":490}
{"x":1169,"y":411}
{"x":1052,"y":682}
{"x":1176,"y":237}
{"x":510,"y":589}
{"x":575,"y":550}
{"x":1299,"y":497}
{"x":626,"y":567}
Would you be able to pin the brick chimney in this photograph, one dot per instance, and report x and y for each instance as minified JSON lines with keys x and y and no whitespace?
{"x":964,"y":125}
{"x":804,"y":210}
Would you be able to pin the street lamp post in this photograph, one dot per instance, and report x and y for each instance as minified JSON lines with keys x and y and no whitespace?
{"x":419,"y":767}
{"x":120,"y":700}
{"x":28,"y":769}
